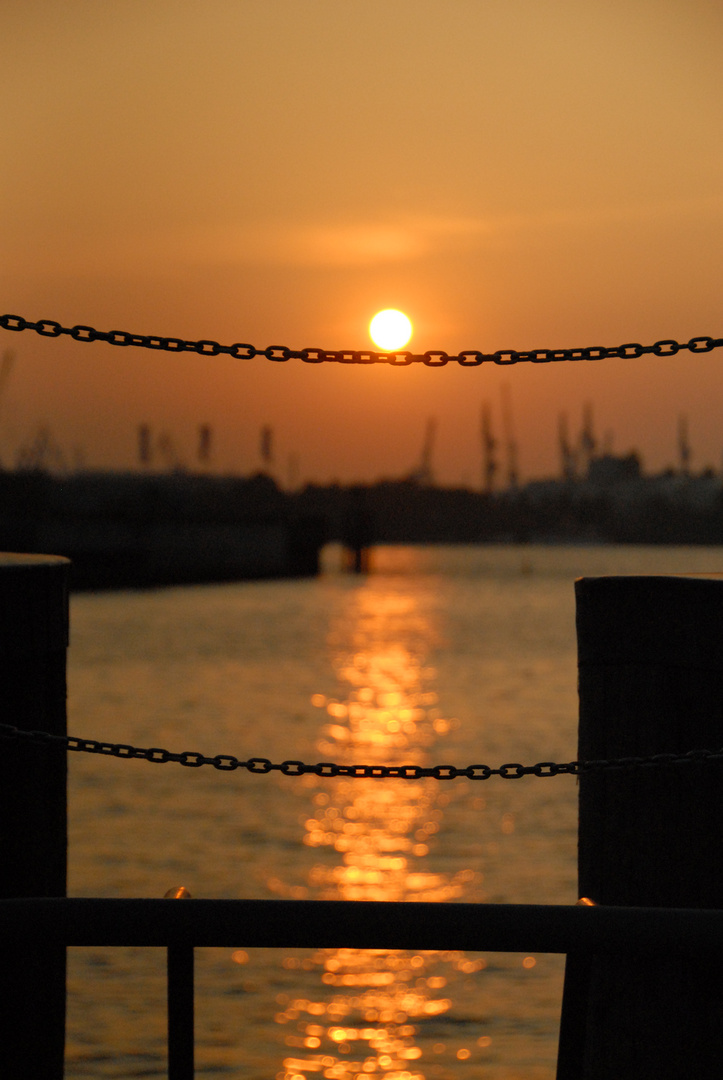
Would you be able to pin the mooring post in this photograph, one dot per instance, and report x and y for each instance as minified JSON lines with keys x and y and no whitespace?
{"x":650,"y":653}
{"x":33,"y":800}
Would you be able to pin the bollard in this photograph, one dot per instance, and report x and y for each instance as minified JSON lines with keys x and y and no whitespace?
{"x":33,"y":799}
{"x":650,"y":654}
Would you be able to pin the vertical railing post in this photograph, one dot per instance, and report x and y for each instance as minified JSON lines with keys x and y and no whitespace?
{"x":181,"y":1039}
{"x":33,"y":815}
{"x":651,"y":682}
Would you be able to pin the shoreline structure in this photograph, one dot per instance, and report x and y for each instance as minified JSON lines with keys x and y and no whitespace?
{"x":131,"y":529}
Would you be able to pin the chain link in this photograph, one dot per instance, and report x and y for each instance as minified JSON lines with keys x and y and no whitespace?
{"x":228,"y":763}
{"x":431,"y":358}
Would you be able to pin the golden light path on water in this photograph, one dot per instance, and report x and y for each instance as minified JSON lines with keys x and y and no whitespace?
{"x":371,"y":1004}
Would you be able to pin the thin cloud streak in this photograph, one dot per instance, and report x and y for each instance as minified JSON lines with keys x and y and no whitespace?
{"x":345,"y":245}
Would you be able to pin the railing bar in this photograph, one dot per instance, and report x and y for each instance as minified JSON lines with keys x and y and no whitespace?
{"x":573,"y":1015}
{"x":180,"y":1013}
{"x":363,"y":924}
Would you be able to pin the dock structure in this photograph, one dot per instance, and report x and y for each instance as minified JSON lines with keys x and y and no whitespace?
{"x":643,"y":986}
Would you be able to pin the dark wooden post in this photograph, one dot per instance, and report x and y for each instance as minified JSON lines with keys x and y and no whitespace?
{"x":33,"y":832}
{"x":650,"y":655}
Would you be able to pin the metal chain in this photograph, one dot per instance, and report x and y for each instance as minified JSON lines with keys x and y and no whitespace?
{"x":431,"y":358}
{"x":229,"y":763}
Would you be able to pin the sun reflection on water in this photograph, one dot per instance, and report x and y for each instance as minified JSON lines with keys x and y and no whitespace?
{"x":373,"y":839}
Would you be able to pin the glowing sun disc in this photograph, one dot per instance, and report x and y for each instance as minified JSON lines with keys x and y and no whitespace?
{"x":390,"y":329}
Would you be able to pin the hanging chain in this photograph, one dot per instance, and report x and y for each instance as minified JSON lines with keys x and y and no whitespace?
{"x":229,"y":763}
{"x":431,"y":358}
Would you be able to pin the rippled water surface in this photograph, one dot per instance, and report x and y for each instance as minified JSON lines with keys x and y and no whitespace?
{"x":441,"y":655}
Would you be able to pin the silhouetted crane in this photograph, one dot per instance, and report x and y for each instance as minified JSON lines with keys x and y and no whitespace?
{"x":588,"y":442}
{"x":684,"y":452}
{"x":205,"y":440}
{"x":567,"y":453}
{"x":510,"y":442}
{"x":423,"y":473}
{"x":489,"y":445}
{"x":266,"y":445}
{"x":145,"y":445}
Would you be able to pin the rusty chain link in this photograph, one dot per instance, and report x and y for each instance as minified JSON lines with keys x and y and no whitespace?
{"x":229,"y":763}
{"x":431,"y":358}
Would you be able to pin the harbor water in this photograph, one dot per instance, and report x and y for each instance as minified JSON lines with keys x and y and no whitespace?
{"x":449,"y":655}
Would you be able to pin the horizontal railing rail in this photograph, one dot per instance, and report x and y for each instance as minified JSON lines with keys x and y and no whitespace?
{"x":579,"y":931}
{"x":544,"y":928}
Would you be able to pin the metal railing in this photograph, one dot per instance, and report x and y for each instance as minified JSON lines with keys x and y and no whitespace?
{"x":579,"y":931}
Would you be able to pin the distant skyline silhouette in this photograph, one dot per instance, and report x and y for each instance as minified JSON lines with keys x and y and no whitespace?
{"x":509,"y":175}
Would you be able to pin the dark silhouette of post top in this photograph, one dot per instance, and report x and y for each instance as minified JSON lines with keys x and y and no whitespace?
{"x":651,"y":682}
{"x":33,"y":828}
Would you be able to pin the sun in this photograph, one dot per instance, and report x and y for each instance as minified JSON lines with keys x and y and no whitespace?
{"x":390,"y":329}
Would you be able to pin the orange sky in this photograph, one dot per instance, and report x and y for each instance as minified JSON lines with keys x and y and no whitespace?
{"x":512,"y":174}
